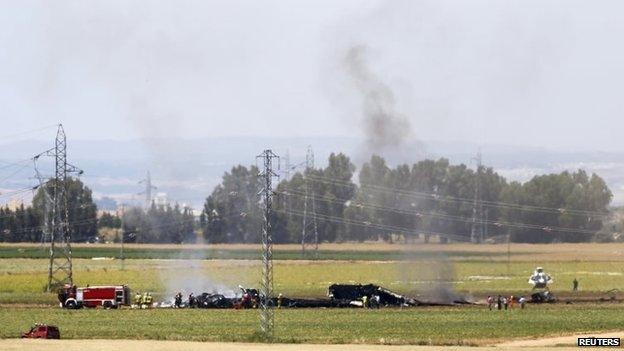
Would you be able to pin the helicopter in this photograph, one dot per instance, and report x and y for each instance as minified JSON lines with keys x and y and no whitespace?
{"x":540,"y":279}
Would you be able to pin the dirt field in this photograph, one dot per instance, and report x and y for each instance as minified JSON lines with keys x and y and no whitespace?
{"x":152,"y":345}
{"x":568,"y":340}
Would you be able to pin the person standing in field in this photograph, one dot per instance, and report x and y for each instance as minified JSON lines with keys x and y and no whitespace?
{"x":144,"y":300}
{"x":575,"y":285}
{"x":511,"y":302}
{"x":499,"y":303}
{"x":505,"y":302}
{"x":490,"y":302}
{"x":522,"y":301}
{"x":137,"y":300}
{"x":178,"y":300}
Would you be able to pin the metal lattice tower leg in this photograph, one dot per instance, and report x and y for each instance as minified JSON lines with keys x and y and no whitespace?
{"x":148,"y":190}
{"x":60,"y":268}
{"x":309,"y":199}
{"x":266,"y":301}
{"x":476,"y":235}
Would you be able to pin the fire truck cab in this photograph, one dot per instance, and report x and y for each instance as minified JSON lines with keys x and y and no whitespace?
{"x":112,"y":296}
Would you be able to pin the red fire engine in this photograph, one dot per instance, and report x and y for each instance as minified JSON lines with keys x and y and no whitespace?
{"x":112,"y":296}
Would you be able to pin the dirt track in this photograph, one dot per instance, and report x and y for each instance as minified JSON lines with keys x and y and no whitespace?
{"x":569,"y":340}
{"x":154,"y":345}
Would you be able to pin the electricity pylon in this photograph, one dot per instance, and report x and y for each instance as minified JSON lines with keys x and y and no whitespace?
{"x":266,"y":301}
{"x":56,"y":223}
{"x":309,"y":239}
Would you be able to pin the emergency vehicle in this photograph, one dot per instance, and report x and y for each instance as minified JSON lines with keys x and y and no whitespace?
{"x":112,"y":296}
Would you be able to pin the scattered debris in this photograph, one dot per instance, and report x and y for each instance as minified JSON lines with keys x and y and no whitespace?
{"x":373,"y":293}
{"x":543,"y":297}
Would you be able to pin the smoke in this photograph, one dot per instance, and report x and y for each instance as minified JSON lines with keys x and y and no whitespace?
{"x":430,"y":275}
{"x":191,"y":276}
{"x":192,"y":272}
{"x":387,"y":132}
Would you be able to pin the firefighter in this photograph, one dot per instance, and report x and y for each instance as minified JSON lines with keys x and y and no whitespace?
{"x":144,"y":300}
{"x":149,"y":300}
{"x":178,"y":300}
{"x":137,"y":300}
{"x":254,"y":302}
{"x":246,"y":300}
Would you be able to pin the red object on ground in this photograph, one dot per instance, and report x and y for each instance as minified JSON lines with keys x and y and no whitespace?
{"x":42,"y":331}
{"x":112,"y":296}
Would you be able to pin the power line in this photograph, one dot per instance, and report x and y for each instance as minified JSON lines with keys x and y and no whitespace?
{"x":419,"y":214}
{"x":396,"y":229}
{"x":14,"y":173}
{"x":10,"y":136}
{"x":18,"y":191}
{"x":445,"y":198}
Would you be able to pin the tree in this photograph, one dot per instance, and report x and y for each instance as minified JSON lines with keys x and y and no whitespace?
{"x":234,"y":204}
{"x":80,"y":207}
{"x":109,"y":221}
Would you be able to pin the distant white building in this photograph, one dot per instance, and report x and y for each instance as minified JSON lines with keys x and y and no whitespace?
{"x":161,"y":199}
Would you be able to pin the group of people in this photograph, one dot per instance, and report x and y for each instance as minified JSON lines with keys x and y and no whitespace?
{"x":144,"y":300}
{"x":504,"y":302}
{"x":191,"y":302}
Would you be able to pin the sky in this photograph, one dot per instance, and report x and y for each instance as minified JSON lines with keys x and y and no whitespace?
{"x":536,"y":73}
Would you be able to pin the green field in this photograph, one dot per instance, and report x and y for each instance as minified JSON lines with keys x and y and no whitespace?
{"x":439,"y":326}
{"x":239,"y":253}
{"x":23,"y":280}
{"x":473,"y":270}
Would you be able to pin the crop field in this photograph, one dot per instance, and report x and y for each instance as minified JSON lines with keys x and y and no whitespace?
{"x":357,"y":251}
{"x":473,"y":270}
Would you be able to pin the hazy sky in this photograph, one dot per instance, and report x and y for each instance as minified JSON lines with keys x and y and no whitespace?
{"x":539,"y":73}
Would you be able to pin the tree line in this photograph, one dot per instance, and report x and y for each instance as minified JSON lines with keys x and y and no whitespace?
{"x":406,"y":202}
{"x":430,"y":198}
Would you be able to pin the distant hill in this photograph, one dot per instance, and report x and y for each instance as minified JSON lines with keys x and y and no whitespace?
{"x":187,"y":169}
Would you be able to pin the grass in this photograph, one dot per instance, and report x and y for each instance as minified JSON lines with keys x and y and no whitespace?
{"x":23,"y":280}
{"x":439,"y":326}
{"x":347,"y":251}
{"x":473,"y":269}
{"x":235,"y":253}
